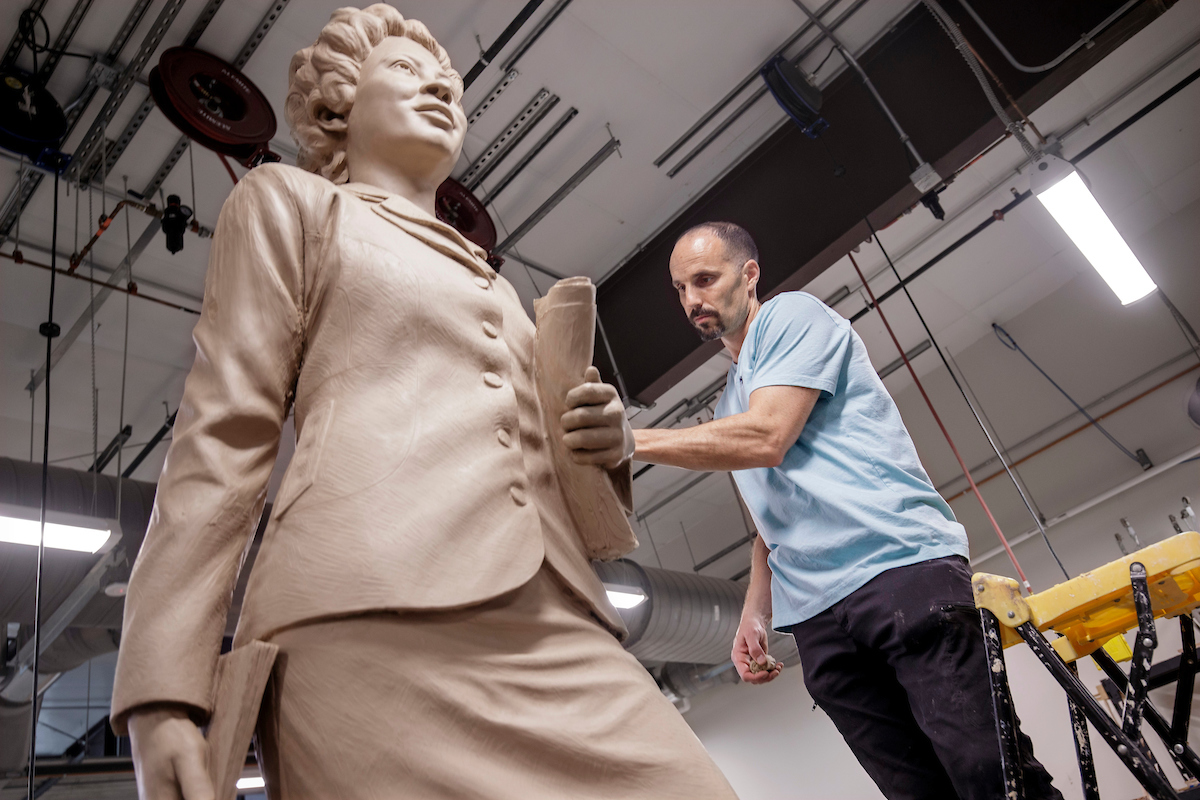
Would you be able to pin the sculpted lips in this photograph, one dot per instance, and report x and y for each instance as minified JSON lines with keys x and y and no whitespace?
{"x":442,"y":110}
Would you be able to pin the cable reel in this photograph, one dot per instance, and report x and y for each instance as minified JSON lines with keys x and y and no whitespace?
{"x":214,"y":104}
{"x":456,"y":206}
{"x":32,"y":123}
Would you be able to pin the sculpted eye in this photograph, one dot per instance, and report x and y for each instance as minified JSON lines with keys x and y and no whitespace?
{"x":404,"y":65}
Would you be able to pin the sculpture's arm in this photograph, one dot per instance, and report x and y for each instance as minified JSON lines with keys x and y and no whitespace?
{"x":213,"y":485}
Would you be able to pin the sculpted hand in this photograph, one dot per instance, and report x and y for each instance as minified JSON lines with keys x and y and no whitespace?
{"x":596,"y":429}
{"x":170,"y":755}
{"x":750,"y":652}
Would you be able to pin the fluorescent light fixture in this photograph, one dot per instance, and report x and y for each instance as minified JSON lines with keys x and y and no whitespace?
{"x":625,"y":596}
{"x":251,"y":783}
{"x":1063,"y":192}
{"x":60,"y":536}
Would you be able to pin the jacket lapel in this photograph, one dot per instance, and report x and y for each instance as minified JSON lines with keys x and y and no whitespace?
{"x":434,"y":232}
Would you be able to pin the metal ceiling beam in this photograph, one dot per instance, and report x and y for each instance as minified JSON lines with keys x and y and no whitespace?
{"x":47,"y":67}
{"x":530,"y":154}
{"x":525,"y":227}
{"x":533,"y":113}
{"x":93,"y":140}
{"x":117,"y":149}
{"x":762,"y":90}
{"x":735,"y":91}
{"x":29,"y":184}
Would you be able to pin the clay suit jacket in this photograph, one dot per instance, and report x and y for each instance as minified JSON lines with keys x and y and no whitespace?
{"x":422,"y":477}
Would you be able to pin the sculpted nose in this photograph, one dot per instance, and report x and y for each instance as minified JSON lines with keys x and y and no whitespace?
{"x":440,"y":88}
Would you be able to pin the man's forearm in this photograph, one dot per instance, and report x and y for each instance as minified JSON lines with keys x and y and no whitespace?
{"x":758,"y":593}
{"x":731,"y":443}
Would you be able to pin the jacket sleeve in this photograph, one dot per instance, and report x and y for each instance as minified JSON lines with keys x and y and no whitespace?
{"x":210,"y":496}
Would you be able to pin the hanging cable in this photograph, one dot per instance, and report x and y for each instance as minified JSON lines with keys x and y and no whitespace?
{"x":1008,"y":341}
{"x":1185,"y":327}
{"x":125,"y":351}
{"x":948,"y":25}
{"x":92,"y":340}
{"x":995,"y":525}
{"x":50,"y":330}
{"x":1037,"y":520}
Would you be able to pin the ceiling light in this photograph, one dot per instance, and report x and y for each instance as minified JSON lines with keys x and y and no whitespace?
{"x":251,"y":783}
{"x":1065,"y":195}
{"x":60,"y":536}
{"x":625,"y":596}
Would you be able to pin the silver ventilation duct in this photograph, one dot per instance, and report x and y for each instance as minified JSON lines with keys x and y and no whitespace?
{"x":686,"y":618}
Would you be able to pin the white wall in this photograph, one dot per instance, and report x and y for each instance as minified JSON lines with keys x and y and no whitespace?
{"x":770,"y":742}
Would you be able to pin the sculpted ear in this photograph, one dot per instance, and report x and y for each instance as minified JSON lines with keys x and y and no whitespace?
{"x":330,"y":121}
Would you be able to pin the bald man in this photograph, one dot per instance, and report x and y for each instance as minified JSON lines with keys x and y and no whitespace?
{"x":858,"y":556}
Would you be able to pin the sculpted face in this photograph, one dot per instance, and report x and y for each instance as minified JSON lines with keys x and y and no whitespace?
{"x":714,"y":291}
{"x":405,"y":112}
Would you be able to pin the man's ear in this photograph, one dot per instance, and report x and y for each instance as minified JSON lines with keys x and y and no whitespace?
{"x":330,"y":121}
{"x":751,"y":270}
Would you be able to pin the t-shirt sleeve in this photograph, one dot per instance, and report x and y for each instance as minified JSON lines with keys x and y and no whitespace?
{"x":798,"y":344}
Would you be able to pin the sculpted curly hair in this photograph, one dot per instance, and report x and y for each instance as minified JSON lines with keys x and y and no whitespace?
{"x":322,"y":80}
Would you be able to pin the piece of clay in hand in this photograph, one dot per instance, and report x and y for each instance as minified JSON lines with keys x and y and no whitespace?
{"x":755,"y":667}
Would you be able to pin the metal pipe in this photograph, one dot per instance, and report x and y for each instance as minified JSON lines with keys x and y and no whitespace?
{"x":150,"y":445}
{"x":596,"y":160}
{"x":490,"y":54}
{"x":846,"y":54}
{"x":1075,"y":511}
{"x":531,"y":154}
{"x":1086,"y":39}
{"x":538,"y":29}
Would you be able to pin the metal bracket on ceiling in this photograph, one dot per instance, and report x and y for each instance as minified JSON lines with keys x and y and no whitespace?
{"x":510,"y":137}
{"x":495,"y":93}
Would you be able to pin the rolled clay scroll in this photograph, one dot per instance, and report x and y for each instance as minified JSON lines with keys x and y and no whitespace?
{"x":566,"y":336}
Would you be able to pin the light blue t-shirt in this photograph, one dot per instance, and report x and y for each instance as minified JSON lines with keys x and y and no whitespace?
{"x":850,"y":499}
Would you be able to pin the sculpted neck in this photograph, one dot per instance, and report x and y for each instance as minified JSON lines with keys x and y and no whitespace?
{"x":415,"y":184}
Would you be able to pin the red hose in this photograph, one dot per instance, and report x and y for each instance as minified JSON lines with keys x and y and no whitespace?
{"x":995,"y":525}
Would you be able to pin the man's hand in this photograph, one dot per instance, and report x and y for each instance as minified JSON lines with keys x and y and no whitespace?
{"x":170,"y":755}
{"x":597,"y":431}
{"x":750,"y":652}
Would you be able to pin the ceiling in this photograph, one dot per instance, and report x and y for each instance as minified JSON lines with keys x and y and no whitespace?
{"x":647,"y":71}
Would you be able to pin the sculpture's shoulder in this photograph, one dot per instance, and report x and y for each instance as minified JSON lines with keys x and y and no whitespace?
{"x":282,"y":183}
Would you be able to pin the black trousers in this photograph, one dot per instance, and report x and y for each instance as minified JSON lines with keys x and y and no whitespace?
{"x":899,"y":667}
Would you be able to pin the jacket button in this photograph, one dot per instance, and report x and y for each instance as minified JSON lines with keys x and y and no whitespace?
{"x":482,"y":282}
{"x":518,"y":495}
{"x":490,"y":330}
{"x":493,"y":380}
{"x":504,"y":438}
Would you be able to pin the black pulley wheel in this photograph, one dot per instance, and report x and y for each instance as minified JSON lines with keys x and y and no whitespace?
{"x":457,"y":207}
{"x":211,"y":102}
{"x":30,"y":118}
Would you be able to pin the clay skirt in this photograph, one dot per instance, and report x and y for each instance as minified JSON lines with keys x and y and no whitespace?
{"x":524,"y":697}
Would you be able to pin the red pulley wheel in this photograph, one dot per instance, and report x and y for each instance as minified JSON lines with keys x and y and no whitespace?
{"x":457,"y":207}
{"x":211,"y":102}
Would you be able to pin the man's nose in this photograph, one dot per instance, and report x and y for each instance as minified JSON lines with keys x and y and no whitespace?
{"x":691,"y":299}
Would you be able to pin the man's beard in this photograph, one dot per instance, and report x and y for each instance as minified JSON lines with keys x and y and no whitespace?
{"x":716,"y":326}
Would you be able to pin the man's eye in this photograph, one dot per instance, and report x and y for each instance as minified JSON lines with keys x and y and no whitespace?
{"x":405,"y":66}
